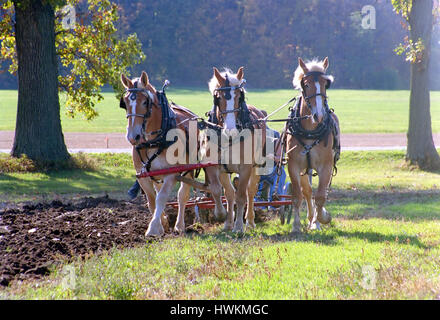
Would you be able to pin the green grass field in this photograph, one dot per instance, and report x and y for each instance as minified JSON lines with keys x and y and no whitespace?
{"x":383,"y":243}
{"x":359,"y":111}
{"x":368,"y":171}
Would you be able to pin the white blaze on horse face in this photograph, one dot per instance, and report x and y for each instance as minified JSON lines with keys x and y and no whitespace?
{"x":133,"y":131}
{"x":319,"y":104}
{"x":230,"y":117}
{"x":133,"y":111}
{"x":150,"y":95}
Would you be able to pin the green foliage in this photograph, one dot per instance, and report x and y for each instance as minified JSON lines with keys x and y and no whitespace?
{"x":187,"y":38}
{"x":402,"y":7}
{"x":7,"y":39}
{"x":92,"y":54}
{"x":413,"y":50}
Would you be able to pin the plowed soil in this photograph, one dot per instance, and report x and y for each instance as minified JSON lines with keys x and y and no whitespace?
{"x":36,"y":236}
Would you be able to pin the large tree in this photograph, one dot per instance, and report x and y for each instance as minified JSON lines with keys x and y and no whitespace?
{"x":50,"y":57}
{"x":419,"y":16}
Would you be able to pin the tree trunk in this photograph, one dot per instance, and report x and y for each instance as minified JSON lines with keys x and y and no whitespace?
{"x":38,"y":131}
{"x":421,"y":148}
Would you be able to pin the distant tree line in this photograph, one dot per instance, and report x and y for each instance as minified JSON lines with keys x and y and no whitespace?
{"x":184,"y":39}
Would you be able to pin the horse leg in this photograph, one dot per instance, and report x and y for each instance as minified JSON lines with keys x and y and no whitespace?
{"x":230,"y":198}
{"x":240,"y":196}
{"x":216,"y":191}
{"x":155,"y":228}
{"x":251,"y":192}
{"x":296,"y":196}
{"x":308,"y":195}
{"x":183,"y":197}
{"x":150,"y":192}
{"x":325,"y":176}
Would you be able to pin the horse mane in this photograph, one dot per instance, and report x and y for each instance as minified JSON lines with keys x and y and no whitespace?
{"x":140,"y":85}
{"x":312,"y":65}
{"x":233,"y":81}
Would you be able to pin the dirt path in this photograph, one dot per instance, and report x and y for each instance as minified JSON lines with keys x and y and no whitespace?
{"x":77,"y":140}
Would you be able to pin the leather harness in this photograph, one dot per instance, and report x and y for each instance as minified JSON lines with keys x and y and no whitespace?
{"x":168,"y":122}
{"x":323,"y":129}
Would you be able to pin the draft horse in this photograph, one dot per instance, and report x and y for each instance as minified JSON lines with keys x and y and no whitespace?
{"x":150,"y":118}
{"x":229,"y":117}
{"x":312,"y":142}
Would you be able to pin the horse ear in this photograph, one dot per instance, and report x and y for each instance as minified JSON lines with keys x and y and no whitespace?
{"x":240,"y":73}
{"x":221,"y":80}
{"x":325,"y":64}
{"x":303,"y":65}
{"x":126,"y":82}
{"x":144,"y":79}
{"x":122,"y":104}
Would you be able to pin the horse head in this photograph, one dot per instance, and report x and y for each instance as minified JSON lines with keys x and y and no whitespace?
{"x":227,"y":90}
{"x":141,"y":104}
{"x":311,"y":79}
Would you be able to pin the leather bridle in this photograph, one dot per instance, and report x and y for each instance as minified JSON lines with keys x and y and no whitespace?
{"x":315,"y":75}
{"x":242,"y":120}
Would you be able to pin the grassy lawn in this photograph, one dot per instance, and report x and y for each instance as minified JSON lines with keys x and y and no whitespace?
{"x":114,"y":174}
{"x":383,"y":243}
{"x":357,"y":171}
{"x":374,"y":258}
{"x":359,"y":111}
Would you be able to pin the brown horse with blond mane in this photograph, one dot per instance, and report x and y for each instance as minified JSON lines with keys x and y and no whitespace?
{"x":235,"y":146}
{"x":150,"y":118}
{"x":312,"y":142}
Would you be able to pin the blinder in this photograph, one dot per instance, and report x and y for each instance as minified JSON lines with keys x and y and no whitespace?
{"x":132,"y":96}
{"x":243,"y":119}
{"x":315,"y":75}
{"x":122,"y":104}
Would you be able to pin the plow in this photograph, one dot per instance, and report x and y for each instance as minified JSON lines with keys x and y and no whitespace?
{"x":208,"y":202}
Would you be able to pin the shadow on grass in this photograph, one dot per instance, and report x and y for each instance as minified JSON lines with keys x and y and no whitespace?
{"x":72,"y":181}
{"x":329,"y":236}
{"x":391,"y":205}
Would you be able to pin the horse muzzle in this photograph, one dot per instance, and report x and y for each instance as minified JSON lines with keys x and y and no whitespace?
{"x":135,"y":136}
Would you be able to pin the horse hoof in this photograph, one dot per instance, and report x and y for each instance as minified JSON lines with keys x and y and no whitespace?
{"x":153,"y":233}
{"x":324,"y":217}
{"x":179,"y":229}
{"x":296,"y":229}
{"x":228,"y":227}
{"x":220,"y":216}
{"x":315,"y":226}
{"x":155,"y":230}
{"x":250,"y":225}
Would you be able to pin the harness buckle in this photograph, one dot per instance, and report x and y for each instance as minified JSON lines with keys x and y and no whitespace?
{"x":306,"y":150}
